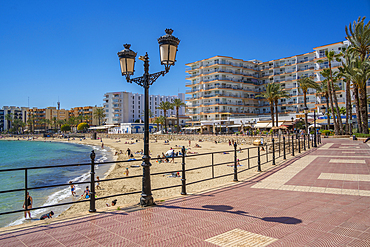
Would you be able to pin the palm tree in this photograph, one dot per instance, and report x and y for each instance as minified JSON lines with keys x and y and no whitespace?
{"x":31,"y":122}
{"x":177,"y":103}
{"x":99,"y":114}
{"x":9,"y":118}
{"x":269,"y":95}
{"x":345,"y":72}
{"x":165,"y":106}
{"x":304,"y":84}
{"x":150,"y":113}
{"x":280,"y":93}
{"x":159,"y":120}
{"x":328,"y":73}
{"x":359,"y":75}
{"x":323,"y":92}
{"x":358,"y":34}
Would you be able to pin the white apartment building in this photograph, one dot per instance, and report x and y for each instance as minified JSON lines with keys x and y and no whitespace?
{"x":221,"y":87}
{"x":127,"y":107}
{"x":15,"y":113}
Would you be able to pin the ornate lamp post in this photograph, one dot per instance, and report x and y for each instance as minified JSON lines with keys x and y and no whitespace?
{"x":167,"y":49}
{"x":292,"y":125}
{"x":314,"y":127}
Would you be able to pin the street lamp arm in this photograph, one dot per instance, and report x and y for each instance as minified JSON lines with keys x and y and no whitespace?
{"x":151,"y":79}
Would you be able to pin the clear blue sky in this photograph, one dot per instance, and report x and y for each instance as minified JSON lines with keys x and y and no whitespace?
{"x":68,"y":49}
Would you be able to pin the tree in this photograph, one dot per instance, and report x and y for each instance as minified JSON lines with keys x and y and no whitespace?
{"x":159,"y":120}
{"x":177,"y":103}
{"x":150,"y":113}
{"x":279,"y":94}
{"x":18,"y":123}
{"x":31,"y":122}
{"x":323,"y":92}
{"x":269,"y":95}
{"x":9,"y":118}
{"x":358,"y":34}
{"x":99,"y":114}
{"x":165,"y":106}
{"x":82,"y":127}
{"x":328,"y":73}
{"x":65,"y":128}
{"x":304,"y":84}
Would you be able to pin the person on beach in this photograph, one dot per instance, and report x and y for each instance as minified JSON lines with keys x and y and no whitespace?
{"x":189,"y":143}
{"x":229,"y":143}
{"x":47,"y":216}
{"x":73,"y":188}
{"x":126,"y":172}
{"x":98,"y":183}
{"x":86,"y":193}
{"x":102,"y":145}
{"x":28,"y":205}
{"x":128,"y":152}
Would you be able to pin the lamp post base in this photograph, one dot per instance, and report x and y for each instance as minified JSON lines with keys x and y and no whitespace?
{"x":146,"y":201}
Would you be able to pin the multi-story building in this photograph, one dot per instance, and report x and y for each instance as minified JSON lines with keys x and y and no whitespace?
{"x":15,"y":113}
{"x":221,"y":87}
{"x":50,"y":113}
{"x":86,"y":113}
{"x":127,"y":107}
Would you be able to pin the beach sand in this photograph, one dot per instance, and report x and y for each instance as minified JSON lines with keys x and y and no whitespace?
{"x":157,"y":181}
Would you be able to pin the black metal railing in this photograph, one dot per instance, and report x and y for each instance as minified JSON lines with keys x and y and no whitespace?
{"x":278,"y":149}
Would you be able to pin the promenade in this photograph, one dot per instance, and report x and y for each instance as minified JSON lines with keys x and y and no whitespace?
{"x":319,"y":198}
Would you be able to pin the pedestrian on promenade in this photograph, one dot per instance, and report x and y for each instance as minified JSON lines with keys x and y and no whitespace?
{"x":367,"y":139}
{"x":28,"y":205}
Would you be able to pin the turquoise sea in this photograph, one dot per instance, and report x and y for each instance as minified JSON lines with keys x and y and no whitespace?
{"x":18,"y":154}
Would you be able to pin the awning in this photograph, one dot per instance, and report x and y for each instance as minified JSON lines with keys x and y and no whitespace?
{"x":101,"y":127}
{"x":191,"y":128}
{"x":235,"y":125}
{"x":261,"y":125}
{"x":270,"y":124}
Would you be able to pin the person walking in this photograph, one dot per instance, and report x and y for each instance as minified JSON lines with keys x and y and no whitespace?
{"x":128,"y":152}
{"x":28,"y":205}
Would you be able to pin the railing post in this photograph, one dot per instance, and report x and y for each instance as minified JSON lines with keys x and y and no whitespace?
{"x":299,"y":143}
{"x":235,"y":164}
{"x":92,"y":183}
{"x":248,"y":159}
{"x":259,"y":160}
{"x":183,"y":179}
{"x":308,"y":140}
{"x":267,"y":153}
{"x":273,"y":151}
{"x":213,"y":168}
{"x":284,"y":147}
{"x":25,"y":191}
{"x":304,"y":142}
{"x":292,"y":145}
{"x":279,"y":145}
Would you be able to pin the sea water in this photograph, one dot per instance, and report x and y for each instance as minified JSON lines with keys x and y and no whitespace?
{"x":22,"y":154}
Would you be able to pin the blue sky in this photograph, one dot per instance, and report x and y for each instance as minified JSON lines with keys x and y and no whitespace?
{"x":68,"y":49}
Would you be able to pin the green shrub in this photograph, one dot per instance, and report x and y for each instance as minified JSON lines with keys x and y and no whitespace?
{"x":82,"y":126}
{"x":361,"y":135}
{"x":65,"y":127}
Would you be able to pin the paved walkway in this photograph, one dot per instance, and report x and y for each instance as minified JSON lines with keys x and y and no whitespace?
{"x":321,"y":198}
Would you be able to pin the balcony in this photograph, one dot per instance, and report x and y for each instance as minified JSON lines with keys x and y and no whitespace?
{"x":306,"y":60}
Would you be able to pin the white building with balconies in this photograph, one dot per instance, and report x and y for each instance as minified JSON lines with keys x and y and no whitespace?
{"x":127,"y":107}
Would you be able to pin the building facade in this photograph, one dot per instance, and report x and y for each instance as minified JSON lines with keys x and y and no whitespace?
{"x":126,"y":107}
{"x":86,"y":113}
{"x":15,"y":113}
{"x":222,"y":87}
{"x":37,"y":115}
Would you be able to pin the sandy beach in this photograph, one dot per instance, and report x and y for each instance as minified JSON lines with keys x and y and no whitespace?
{"x":158,"y":181}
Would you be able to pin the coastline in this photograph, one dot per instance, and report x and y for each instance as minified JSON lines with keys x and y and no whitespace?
{"x":156,"y":148}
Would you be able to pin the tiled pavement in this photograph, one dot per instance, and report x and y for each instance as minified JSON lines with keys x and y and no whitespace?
{"x":321,"y":198}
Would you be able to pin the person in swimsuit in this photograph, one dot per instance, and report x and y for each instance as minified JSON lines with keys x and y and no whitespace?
{"x":73,"y":188}
{"x":47,"y":216}
{"x":28,"y":205}
{"x":86,"y":192}
{"x":128,"y":152}
{"x":98,"y":183}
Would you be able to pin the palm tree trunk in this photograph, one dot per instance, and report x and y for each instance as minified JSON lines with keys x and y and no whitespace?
{"x":327,"y":107}
{"x":178,"y":122}
{"x":348,"y":106}
{"x":165,"y":120}
{"x":276,"y":113}
{"x":337,"y":110}
{"x":336,"y":129}
{"x":272,"y":112}
{"x":305,"y":114}
{"x":363,"y":107}
{"x":358,"y":112}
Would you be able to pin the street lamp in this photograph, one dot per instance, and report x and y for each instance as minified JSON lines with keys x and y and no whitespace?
{"x":292,"y":124}
{"x":167,"y":50}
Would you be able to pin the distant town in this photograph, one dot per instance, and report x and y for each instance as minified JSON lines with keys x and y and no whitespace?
{"x":225,"y":95}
